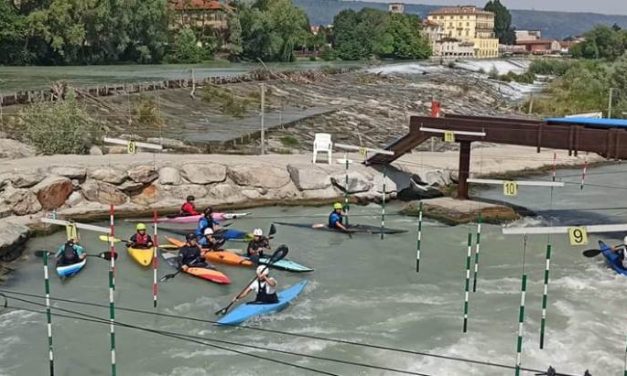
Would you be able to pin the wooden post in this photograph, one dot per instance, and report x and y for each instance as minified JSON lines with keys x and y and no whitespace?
{"x":464,"y":170}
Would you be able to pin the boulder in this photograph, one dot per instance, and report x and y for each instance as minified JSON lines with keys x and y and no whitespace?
{"x":103,"y":193}
{"x":180,"y":192}
{"x":53,"y":191}
{"x":5,"y":210}
{"x":308,"y":177}
{"x":328,"y":193}
{"x":169,"y":176}
{"x":74,"y":199}
{"x":21,"y":180}
{"x":108,"y":175}
{"x":147,"y":196}
{"x":204,"y":173}
{"x":71,"y":172}
{"x":143,"y":174}
{"x":13,"y":237}
{"x":226,"y":193}
{"x":95,"y":150}
{"x":260,"y":176}
{"x":21,"y":201}
{"x":14,"y":149}
{"x":131,"y":188}
{"x":357,"y":182}
{"x":167,"y":142}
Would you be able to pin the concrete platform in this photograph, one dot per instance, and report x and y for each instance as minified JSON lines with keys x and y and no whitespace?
{"x":454,"y":212}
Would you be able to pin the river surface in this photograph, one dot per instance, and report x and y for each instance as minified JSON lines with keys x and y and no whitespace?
{"x":364,"y":289}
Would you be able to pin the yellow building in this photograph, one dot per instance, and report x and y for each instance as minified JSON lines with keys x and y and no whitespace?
{"x":469,"y":24}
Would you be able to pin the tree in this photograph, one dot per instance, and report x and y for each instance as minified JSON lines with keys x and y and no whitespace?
{"x":602,"y":42}
{"x":12,"y":35}
{"x":188,"y":48}
{"x":502,"y":22}
{"x":234,"y":44}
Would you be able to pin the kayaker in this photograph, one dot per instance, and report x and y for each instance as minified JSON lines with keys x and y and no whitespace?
{"x":140,"y":240}
{"x":257,"y":245}
{"x":209,"y":243}
{"x":205,"y":222}
{"x":190,"y":254}
{"x":70,"y":253}
{"x":336,"y":217}
{"x":188,"y":207}
{"x":264,"y":286}
{"x":622,"y":252}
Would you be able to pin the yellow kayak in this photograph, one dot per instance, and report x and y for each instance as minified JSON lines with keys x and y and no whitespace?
{"x":142,"y":256}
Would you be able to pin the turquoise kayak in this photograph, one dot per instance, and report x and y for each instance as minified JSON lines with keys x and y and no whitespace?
{"x":247,"y":311}
{"x":67,"y":271}
{"x":286,"y":265}
{"x":612,"y":258}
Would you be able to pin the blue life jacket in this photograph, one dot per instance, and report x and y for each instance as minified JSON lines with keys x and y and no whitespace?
{"x":334,"y":219}
{"x":203,"y":224}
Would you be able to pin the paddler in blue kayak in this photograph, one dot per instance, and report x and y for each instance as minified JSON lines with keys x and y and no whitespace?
{"x":336,"y":218}
{"x":622,"y":252}
{"x":209,"y":243}
{"x":264,"y":286}
{"x":206,"y":222}
{"x":70,"y":253}
{"x":257,"y":246}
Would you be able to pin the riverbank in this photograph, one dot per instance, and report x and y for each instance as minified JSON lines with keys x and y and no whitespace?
{"x":81,"y":187}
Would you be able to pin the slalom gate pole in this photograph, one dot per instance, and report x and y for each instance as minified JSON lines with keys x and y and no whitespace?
{"x":477,"y":246}
{"x":467,"y":289}
{"x":155,"y":260}
{"x":112,"y":289}
{"x":48,"y":314}
{"x":419,"y":239}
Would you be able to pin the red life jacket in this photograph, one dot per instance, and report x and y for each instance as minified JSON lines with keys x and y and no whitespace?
{"x":188,"y":208}
{"x":141,"y":239}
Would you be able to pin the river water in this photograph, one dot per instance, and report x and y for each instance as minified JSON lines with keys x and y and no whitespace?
{"x":363,"y":289}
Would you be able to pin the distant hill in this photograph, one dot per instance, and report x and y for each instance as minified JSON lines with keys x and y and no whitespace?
{"x":553,"y":24}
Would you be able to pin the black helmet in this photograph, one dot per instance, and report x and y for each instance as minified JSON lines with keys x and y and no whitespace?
{"x":190,"y":236}
{"x":191,"y":198}
{"x":208,"y":211}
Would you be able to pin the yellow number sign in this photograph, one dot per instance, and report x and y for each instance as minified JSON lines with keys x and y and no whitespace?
{"x":71,"y":233}
{"x":510,"y":188}
{"x":363,"y":152}
{"x":131,"y":147}
{"x":578,"y":235}
{"x":449,"y":136}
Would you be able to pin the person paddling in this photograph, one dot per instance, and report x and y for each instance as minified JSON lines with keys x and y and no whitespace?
{"x":257,"y":245}
{"x":188,"y":207}
{"x":140,"y":240}
{"x":191,"y":255}
{"x":206,"y":222}
{"x":336,"y":218}
{"x":209,"y":243}
{"x":70,"y":253}
{"x":264,"y":286}
{"x":622,"y":252}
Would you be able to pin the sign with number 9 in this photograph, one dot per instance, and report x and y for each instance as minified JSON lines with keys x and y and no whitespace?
{"x":578,"y":236}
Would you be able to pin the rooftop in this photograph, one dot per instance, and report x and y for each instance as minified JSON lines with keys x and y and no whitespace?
{"x":200,"y":5}
{"x":534,"y":41}
{"x":462,"y":9}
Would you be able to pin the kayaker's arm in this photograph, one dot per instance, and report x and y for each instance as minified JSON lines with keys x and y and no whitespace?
{"x":341,"y":227}
{"x":271,"y":281}
{"x":243,"y":294}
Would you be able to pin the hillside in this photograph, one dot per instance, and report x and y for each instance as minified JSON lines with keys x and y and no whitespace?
{"x":553,"y":24}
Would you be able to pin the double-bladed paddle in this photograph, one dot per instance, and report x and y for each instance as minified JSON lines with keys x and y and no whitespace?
{"x":103,"y":255}
{"x":279,"y":254}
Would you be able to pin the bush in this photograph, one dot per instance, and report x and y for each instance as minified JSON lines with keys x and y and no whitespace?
{"x":494,"y":73}
{"x":552,"y":67}
{"x":327,"y":53}
{"x":147,"y":112}
{"x":60,"y":127}
{"x":289,"y":141}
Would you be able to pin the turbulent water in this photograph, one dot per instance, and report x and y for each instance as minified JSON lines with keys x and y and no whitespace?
{"x":363,"y":289}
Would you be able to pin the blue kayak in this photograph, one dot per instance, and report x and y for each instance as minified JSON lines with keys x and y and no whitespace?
{"x":246,"y":311}
{"x":612,"y":258}
{"x":67,"y":271}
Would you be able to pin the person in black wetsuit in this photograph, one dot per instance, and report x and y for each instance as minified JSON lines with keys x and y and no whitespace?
{"x":191,"y":255}
{"x":257,"y":245}
{"x":264,"y":286}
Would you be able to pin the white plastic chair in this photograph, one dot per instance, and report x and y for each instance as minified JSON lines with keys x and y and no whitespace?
{"x":322,"y":143}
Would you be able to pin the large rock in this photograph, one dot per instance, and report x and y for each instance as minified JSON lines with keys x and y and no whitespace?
{"x":53,"y":191}
{"x":180,"y":192}
{"x":357,"y":182}
{"x":13,"y":237}
{"x":103,"y":193}
{"x":71,"y":172}
{"x":226,"y":193}
{"x":148,"y":196}
{"x":74,"y":199}
{"x":169,"y":176}
{"x":260,"y":176}
{"x":21,"y":201}
{"x":143,"y":174}
{"x":21,"y":180}
{"x":204,"y":173}
{"x":308,"y":177}
{"x":13,"y":149}
{"x":131,"y":188}
{"x":95,"y":150}
{"x":108,"y":175}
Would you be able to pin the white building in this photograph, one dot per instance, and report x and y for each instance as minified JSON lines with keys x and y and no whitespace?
{"x":396,"y":8}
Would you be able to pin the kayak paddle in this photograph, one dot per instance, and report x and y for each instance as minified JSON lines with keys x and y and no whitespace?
{"x":103,"y":255}
{"x":279,"y":254}
{"x":592,"y":252}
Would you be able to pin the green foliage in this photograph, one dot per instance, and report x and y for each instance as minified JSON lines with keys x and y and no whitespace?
{"x":502,"y":22}
{"x":602,"y":42}
{"x":235,"y":37}
{"x":146,"y":112}
{"x":289,"y":141}
{"x":552,"y":67}
{"x":524,"y":78}
{"x":12,"y":36}
{"x":226,"y":100}
{"x":60,"y":127}
{"x":188,"y":49}
{"x":327,"y":53}
{"x":371,"y":32}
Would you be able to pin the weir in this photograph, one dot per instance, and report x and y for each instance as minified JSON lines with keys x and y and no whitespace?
{"x":606,"y":137}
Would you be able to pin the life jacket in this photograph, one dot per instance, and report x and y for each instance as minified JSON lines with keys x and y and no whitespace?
{"x":141,"y":240}
{"x":334,"y":218}
{"x":188,"y":208}
{"x":203,"y":224}
{"x":188,"y":254}
{"x":69,"y":254}
{"x":256,"y":245}
{"x":263,"y":296}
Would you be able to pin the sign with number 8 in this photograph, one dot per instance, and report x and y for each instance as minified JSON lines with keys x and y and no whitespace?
{"x":131,"y":147}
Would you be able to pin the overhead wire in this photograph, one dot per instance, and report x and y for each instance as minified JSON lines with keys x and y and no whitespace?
{"x":274,"y":331}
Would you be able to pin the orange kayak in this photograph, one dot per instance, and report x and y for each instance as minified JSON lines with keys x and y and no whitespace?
{"x":206,"y":273}
{"x":223,"y":257}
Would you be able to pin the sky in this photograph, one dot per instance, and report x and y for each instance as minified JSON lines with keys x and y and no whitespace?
{"x":597,"y":6}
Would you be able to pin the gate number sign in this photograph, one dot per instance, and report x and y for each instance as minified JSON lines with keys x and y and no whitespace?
{"x":510,"y":188}
{"x":578,"y":236}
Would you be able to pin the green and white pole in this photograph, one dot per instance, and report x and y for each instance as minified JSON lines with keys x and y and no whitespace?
{"x":478,"y":245}
{"x":467,"y":290}
{"x":112,"y":290}
{"x":383,"y":203}
{"x":419,"y":239}
{"x":346,"y":206}
{"x":521,"y":320}
{"x":48,"y":314}
{"x":545,"y":294}
{"x":625,"y":373}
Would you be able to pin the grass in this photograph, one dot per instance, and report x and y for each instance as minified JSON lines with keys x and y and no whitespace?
{"x":289,"y":141}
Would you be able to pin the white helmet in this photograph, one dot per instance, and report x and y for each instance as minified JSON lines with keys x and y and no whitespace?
{"x":625,"y":240}
{"x":208,"y":231}
{"x":262,"y":269}
{"x":258,"y":232}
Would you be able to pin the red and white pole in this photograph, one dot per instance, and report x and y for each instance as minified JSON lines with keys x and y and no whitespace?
{"x":155,"y":261}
